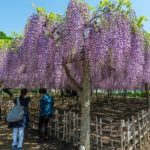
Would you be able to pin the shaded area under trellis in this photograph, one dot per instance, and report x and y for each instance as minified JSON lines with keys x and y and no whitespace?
{"x":31,"y":142}
{"x":117,"y":109}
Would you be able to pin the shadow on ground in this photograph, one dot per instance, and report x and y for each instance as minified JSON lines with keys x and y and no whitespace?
{"x":31,"y":143}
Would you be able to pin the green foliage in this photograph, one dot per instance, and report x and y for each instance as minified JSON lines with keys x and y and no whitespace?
{"x":125,"y":7}
{"x":4,"y":36}
{"x":147,"y":34}
{"x":140,"y":21}
{"x":5,"y":44}
{"x":131,"y":93}
{"x":40,"y":10}
{"x":137,"y":93}
{"x":121,"y":5}
{"x":137,"y":24}
{"x":53,"y":17}
{"x":35,"y":91}
{"x":104,"y":3}
{"x":5,"y":41}
{"x":91,"y":8}
{"x":126,"y":3}
{"x":15,"y":35}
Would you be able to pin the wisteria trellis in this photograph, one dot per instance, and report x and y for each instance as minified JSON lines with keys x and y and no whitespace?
{"x":114,"y":48}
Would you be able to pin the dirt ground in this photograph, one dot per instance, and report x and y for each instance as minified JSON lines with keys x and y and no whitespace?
{"x":117,"y":109}
{"x":31,"y":143}
{"x":146,"y":147}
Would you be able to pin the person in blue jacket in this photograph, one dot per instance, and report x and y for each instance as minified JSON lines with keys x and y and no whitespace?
{"x":46,"y":112}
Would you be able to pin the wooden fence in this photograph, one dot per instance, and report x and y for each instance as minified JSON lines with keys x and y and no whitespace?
{"x":106,"y":133}
{"x":64,"y":126}
{"x":135,"y":131}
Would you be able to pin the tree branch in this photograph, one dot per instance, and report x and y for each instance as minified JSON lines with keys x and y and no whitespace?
{"x":72,"y":59}
{"x":73,"y":82}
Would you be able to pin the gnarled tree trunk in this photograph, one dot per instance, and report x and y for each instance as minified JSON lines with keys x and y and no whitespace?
{"x":84,"y":93}
{"x":85,"y":108}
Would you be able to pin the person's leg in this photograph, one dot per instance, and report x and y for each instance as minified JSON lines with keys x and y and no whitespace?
{"x":41,"y":122}
{"x":46,"y":127}
{"x":26,"y":131}
{"x":21,"y":137}
{"x":26,"y":134}
{"x":15,"y":136}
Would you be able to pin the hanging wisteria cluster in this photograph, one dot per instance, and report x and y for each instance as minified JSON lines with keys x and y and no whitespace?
{"x":116,"y":51}
{"x":146,"y":66}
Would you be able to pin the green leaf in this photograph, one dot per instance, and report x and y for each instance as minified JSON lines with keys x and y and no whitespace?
{"x":4,"y":36}
{"x":126,"y":3}
{"x":91,"y":7}
{"x":140,"y":21}
{"x":104,"y":3}
{"x":40,"y":10}
{"x":52,"y":16}
{"x":5,"y":43}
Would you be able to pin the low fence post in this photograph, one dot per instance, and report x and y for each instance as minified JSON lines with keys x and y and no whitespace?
{"x":128,"y":134}
{"x":139,"y":131}
{"x":134,"y":135}
{"x":122,"y":134}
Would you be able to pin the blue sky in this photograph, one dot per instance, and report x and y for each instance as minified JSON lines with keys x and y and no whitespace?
{"x":14,"y":13}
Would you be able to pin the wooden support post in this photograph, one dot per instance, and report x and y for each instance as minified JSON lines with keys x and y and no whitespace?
{"x":134,"y":136}
{"x":128,"y":134}
{"x":56,"y":117}
{"x":101,"y":132}
{"x":78,"y":132}
{"x":122,"y":134}
{"x":64,"y":125}
{"x":74,"y":127}
{"x":57,"y":124}
{"x":139,"y":132}
{"x":111,"y":130}
{"x":69,"y":126}
{"x":143,"y":126}
{"x":97,"y":135}
{"x":146,"y":121}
